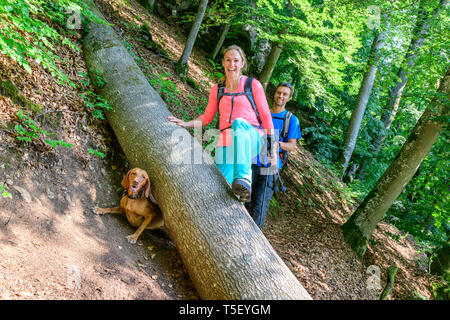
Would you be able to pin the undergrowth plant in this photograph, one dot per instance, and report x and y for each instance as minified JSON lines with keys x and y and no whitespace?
{"x":96,"y":153}
{"x":165,"y":87}
{"x":95,"y":103}
{"x":25,"y":32}
{"x":29,"y":131}
{"x":216,"y":72}
{"x":274,"y":207}
{"x":4,"y":193}
{"x":161,"y":82}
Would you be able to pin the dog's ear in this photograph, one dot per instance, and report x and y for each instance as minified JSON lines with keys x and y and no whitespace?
{"x":125,"y":182}
{"x":147,"y":189}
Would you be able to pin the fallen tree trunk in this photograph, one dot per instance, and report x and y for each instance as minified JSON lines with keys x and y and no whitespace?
{"x":225,"y":253}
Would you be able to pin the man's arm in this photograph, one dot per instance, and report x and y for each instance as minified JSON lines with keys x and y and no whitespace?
{"x":289,"y":145}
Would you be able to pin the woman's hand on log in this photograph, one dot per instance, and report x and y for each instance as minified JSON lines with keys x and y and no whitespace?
{"x":177,"y":121}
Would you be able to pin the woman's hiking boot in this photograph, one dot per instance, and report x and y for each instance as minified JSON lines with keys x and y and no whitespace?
{"x":242,"y":189}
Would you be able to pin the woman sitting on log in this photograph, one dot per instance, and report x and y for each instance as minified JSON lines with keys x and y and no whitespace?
{"x":242,"y":122}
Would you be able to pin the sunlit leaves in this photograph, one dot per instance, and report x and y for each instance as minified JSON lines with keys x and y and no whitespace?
{"x":25,"y":32}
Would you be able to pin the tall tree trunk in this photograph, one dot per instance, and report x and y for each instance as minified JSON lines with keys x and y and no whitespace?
{"x":358,"y":229}
{"x":222,"y":38}
{"x":361,"y":103}
{"x":420,"y":32}
{"x":225,"y":253}
{"x":271,"y":61}
{"x":275,"y":52}
{"x":181,"y":67}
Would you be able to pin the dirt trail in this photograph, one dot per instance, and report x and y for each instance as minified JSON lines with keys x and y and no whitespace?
{"x":53,"y":245}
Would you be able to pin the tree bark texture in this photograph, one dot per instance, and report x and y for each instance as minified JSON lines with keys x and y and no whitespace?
{"x":225,"y":253}
{"x":181,"y":67}
{"x":222,"y":38}
{"x":361,"y":103}
{"x":358,"y":229}
{"x":275,"y":52}
{"x":271,"y":62}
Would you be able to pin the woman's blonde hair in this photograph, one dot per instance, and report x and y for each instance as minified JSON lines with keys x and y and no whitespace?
{"x":241,"y":53}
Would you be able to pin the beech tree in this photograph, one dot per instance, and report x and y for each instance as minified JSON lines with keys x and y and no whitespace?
{"x":274,"y":55}
{"x":181,"y":67}
{"x":419,"y":33}
{"x":361,"y":103}
{"x":358,"y":229}
{"x":222,"y":38}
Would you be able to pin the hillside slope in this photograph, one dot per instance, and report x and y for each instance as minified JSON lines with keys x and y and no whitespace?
{"x":55,"y":247}
{"x":306,"y":232}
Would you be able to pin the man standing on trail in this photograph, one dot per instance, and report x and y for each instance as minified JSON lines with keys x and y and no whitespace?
{"x":287,"y":130}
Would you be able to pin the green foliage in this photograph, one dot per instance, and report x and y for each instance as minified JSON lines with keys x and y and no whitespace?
{"x":96,"y":77}
{"x":423,"y":208}
{"x":4,"y":193}
{"x":418,"y":296}
{"x":216,"y":72}
{"x":96,"y":153}
{"x":25,"y":32}
{"x":162,"y":83}
{"x":318,"y":43}
{"x":30,"y":131}
{"x":441,"y":289}
{"x":56,"y":143}
{"x":216,"y":14}
{"x":274,"y":207}
{"x":95,"y":103}
{"x":165,"y":86}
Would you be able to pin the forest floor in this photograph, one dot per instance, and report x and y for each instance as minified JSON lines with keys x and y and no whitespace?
{"x":54,"y":246}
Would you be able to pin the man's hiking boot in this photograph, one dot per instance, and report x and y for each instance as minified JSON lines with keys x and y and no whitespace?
{"x":242,"y":189}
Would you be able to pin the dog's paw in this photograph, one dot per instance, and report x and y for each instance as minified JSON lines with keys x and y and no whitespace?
{"x":99,"y":211}
{"x":131,"y":239}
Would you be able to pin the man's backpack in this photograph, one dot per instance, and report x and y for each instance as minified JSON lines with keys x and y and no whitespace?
{"x":284,"y":155}
{"x":247,"y":92}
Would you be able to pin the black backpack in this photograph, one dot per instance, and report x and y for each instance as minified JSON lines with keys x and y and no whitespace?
{"x":284,"y":155}
{"x":247,"y":92}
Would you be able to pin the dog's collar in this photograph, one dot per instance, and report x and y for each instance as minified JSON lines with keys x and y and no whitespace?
{"x":134,"y":197}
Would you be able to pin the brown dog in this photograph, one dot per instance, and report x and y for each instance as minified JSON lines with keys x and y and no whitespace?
{"x":141,"y":212}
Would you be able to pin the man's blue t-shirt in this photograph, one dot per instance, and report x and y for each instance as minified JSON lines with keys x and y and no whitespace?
{"x":293,"y":133}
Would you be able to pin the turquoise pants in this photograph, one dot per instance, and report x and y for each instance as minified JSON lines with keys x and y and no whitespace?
{"x":235,"y":160}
